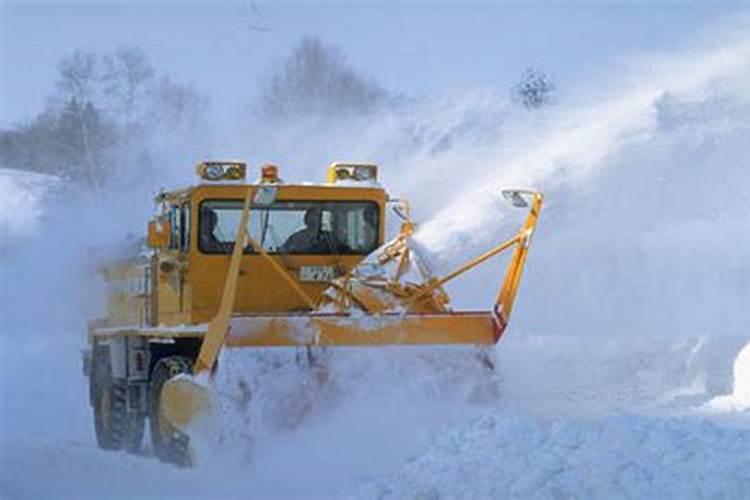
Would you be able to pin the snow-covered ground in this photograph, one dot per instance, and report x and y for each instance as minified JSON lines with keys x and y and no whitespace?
{"x":600,"y":418}
{"x":623,"y":372}
{"x":505,"y":455}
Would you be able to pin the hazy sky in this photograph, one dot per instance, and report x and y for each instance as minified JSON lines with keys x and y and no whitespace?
{"x":226,"y":48}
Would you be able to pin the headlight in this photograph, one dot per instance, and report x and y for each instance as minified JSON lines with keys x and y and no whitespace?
{"x":360,"y":172}
{"x":217,"y":171}
{"x":365,"y":172}
{"x":213,"y":172}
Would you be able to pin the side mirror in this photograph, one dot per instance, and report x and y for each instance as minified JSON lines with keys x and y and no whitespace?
{"x":402,"y":209}
{"x":516,"y":197}
{"x":158,"y":233}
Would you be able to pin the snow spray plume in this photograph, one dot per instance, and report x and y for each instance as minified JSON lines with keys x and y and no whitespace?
{"x":576,"y":144}
{"x":636,"y":178}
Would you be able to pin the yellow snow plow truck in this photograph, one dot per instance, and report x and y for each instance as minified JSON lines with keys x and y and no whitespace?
{"x":312,"y":270}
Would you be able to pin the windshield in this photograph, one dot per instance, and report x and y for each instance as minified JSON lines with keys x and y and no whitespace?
{"x":293,"y":227}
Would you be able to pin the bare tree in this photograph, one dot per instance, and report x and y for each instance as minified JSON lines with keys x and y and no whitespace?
{"x":77,"y":81}
{"x":127,"y":76}
{"x":316,"y":79}
{"x":535,"y":88}
{"x":94,"y":125}
{"x":176,"y":106}
{"x":89,"y":161}
{"x":78,"y":77}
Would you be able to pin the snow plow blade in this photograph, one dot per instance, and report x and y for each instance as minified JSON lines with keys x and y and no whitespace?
{"x":481,"y":328}
{"x":391,"y":298}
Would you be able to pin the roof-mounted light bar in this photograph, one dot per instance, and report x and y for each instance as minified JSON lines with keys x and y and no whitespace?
{"x":348,"y":172}
{"x":215,"y":171}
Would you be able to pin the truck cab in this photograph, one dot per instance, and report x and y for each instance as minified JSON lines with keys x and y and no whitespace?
{"x":314,"y":232}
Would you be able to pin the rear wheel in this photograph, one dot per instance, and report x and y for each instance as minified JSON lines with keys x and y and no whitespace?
{"x":116,"y":428}
{"x":170,"y":444}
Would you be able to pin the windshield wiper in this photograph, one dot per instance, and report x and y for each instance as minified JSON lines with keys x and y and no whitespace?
{"x":264,"y":216}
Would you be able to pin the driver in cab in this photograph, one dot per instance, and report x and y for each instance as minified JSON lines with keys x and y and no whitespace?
{"x":207,"y":239}
{"x":312,"y":238}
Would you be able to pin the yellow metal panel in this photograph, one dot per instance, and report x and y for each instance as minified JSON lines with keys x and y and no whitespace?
{"x":362,"y":330}
{"x":126,"y":293}
{"x":259,"y":287}
{"x":292,"y":192}
{"x":171,"y":288}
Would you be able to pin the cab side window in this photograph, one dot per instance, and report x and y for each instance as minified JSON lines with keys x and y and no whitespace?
{"x":175,"y":227}
{"x":185,"y":227}
{"x":179,"y":222}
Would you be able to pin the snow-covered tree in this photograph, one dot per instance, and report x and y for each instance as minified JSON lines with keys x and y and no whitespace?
{"x":534,"y":89}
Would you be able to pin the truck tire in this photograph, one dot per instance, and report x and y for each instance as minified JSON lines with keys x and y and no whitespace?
{"x":170,"y":444}
{"x":115,"y":427}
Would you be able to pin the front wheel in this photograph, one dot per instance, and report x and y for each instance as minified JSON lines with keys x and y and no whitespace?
{"x":170,"y":444}
{"x":115,"y":427}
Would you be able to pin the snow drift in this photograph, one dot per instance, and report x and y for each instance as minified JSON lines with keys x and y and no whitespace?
{"x":502,"y":455}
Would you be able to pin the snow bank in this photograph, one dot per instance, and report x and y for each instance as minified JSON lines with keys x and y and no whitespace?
{"x":739,"y":399}
{"x":742,"y":378}
{"x":597,"y":417}
{"x":502,"y":455}
{"x":560,"y":375}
